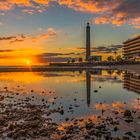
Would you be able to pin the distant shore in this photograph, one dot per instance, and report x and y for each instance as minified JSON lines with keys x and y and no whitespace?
{"x":131,"y":68}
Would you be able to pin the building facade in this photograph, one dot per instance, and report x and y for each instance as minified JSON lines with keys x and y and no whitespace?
{"x":96,"y":58}
{"x":131,"y":49}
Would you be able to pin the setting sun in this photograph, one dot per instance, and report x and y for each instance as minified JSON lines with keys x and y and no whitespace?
{"x":27,"y":61}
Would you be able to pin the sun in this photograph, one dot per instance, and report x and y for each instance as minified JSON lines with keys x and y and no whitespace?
{"x":27,"y":62}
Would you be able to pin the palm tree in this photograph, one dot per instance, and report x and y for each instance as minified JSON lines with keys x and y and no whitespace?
{"x":110,"y":58}
{"x":115,"y":53}
{"x":118,"y":58}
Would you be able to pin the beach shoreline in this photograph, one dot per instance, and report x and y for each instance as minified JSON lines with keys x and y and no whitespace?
{"x":134,"y":68}
{"x":130,"y":68}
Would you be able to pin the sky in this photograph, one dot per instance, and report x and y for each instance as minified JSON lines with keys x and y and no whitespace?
{"x":42,"y":31}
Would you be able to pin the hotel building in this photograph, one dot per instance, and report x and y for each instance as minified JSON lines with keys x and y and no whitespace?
{"x":131,"y":49}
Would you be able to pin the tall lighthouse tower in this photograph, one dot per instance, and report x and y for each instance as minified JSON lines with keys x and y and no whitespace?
{"x":88,"y":42}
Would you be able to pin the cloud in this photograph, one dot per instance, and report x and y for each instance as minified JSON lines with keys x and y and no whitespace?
{"x":7,"y":38}
{"x":3,"y":51}
{"x":56,"y":54}
{"x":116,"y":12}
{"x":51,"y":32}
{"x":55,"y":57}
{"x":104,"y":49}
{"x":126,"y":12}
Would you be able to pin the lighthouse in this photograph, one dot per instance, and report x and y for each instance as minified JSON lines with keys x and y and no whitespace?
{"x":87,"y":42}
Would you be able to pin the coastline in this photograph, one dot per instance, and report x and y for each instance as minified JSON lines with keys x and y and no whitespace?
{"x":131,"y":68}
{"x":134,"y":68}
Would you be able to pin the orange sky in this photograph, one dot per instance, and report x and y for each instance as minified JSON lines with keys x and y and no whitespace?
{"x":41,"y":31}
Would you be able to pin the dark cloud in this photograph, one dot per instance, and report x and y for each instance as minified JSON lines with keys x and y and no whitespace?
{"x":12,"y":39}
{"x":1,"y":51}
{"x":53,"y":59}
{"x":8,"y":38}
{"x":124,"y":12}
{"x":55,"y":54}
{"x":104,"y":49}
{"x":51,"y":32}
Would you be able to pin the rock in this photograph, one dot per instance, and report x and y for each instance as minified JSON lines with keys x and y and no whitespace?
{"x":125,"y":138}
{"x":116,"y":128}
{"x":1,"y":98}
{"x":130,"y":134}
{"x":6,"y":88}
{"x":127,"y":113}
{"x":95,"y":90}
{"x":64,"y":138}
{"x":70,"y":108}
{"x":11,"y":127}
{"x":10,"y":135}
{"x":129,"y":120}
{"x":61,"y":112}
{"x":67,"y":119}
{"x":87,"y":137}
{"x":89,"y":125}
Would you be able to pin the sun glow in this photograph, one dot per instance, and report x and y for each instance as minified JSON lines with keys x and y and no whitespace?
{"x":27,"y":62}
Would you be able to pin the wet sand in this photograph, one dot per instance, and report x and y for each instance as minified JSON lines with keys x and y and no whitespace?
{"x":131,"y":68}
{"x":21,"y":120}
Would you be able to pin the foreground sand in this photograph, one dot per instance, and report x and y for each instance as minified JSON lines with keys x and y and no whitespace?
{"x":22,"y":120}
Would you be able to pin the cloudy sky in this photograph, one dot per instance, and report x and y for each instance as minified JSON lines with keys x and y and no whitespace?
{"x":42,"y":31}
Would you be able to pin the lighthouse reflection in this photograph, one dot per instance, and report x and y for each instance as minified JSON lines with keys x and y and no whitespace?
{"x":88,"y":86}
{"x":131,"y":81}
{"x":88,"y":83}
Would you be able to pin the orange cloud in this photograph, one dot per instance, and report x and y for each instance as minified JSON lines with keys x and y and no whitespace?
{"x":4,"y":5}
{"x":44,"y":2}
{"x":101,"y":20}
{"x":125,"y":12}
{"x":116,"y":12}
{"x":20,"y":2}
{"x":85,"y":6}
{"x":19,"y":38}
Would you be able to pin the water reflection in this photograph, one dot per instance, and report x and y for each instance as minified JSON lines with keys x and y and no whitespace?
{"x":82,"y":84}
{"x":88,"y":84}
{"x":132,"y":82}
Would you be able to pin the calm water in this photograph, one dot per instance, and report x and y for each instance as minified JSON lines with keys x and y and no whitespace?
{"x":83,"y":91}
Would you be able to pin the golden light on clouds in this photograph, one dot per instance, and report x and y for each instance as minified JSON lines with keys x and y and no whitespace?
{"x":112,"y":11}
